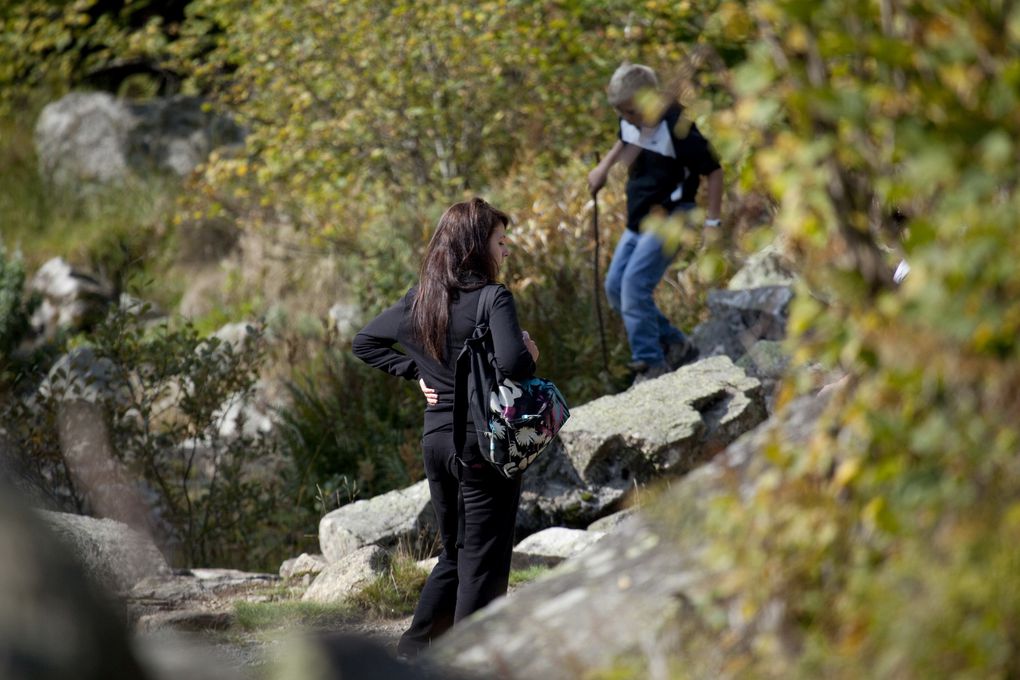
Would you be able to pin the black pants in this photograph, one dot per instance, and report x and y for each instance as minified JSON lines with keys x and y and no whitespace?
{"x":473,"y":572}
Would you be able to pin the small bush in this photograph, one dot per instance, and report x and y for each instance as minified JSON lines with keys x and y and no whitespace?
{"x":14,"y":307}
{"x":218,"y":498}
{"x":395,"y":593}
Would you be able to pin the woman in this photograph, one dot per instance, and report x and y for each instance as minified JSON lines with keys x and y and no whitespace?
{"x":431,"y":324}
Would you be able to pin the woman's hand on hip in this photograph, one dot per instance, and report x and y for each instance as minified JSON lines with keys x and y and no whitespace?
{"x":431,"y":396}
{"x":530,"y":344}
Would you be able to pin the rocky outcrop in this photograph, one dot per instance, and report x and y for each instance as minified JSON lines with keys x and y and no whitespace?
{"x":616,"y":443}
{"x":94,"y":138}
{"x":740,"y":318}
{"x":610,"y":445}
{"x":385,"y":520}
{"x":630,"y":595}
{"x":769,"y":266}
{"x":192,"y":599}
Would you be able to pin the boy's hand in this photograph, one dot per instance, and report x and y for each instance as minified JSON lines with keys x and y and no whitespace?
{"x":597,"y":179}
{"x":431,"y":396}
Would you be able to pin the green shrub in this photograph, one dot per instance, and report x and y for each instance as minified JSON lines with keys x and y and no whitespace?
{"x":351,"y":431}
{"x":14,"y":308}
{"x":219,"y":498}
{"x":889,"y":540}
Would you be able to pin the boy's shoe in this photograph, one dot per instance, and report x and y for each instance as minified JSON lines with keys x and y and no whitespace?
{"x":643,"y":371}
{"x":680,"y":353}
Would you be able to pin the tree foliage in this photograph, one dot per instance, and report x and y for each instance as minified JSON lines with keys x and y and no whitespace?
{"x":345,"y":97}
{"x":14,"y":307}
{"x":877,"y":129}
{"x":50,"y":46}
{"x":891,"y":540}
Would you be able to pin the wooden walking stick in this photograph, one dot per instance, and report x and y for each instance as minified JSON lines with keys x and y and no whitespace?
{"x":596,"y":280}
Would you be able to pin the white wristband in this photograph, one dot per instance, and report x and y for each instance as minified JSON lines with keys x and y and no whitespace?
{"x":713,"y":223}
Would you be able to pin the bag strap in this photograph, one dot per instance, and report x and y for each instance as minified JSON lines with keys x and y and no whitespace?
{"x":460,"y":410}
{"x":485,"y":304}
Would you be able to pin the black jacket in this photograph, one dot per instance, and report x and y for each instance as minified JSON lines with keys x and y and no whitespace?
{"x":376,"y":346}
{"x":654,"y":177}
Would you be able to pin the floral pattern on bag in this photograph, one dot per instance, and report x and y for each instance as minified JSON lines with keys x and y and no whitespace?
{"x":525,"y":418}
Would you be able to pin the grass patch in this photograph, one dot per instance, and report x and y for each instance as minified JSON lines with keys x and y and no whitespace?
{"x":119,"y":232}
{"x":257,"y":616}
{"x":519,"y":577}
{"x":395,"y":593}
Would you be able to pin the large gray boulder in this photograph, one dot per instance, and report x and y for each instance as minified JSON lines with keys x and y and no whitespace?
{"x":385,"y":520}
{"x":629,"y":597}
{"x":68,"y":299}
{"x":116,"y":556}
{"x":88,"y":138}
{"x":303,"y":565}
{"x":82,"y":138}
{"x":664,"y":426}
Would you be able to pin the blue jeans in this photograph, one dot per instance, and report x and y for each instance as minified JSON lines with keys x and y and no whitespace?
{"x":636,"y":269}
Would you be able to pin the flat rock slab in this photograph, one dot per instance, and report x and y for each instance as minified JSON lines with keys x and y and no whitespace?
{"x":552,"y":546}
{"x":193,"y":620}
{"x":405,"y":514}
{"x":663,"y":426}
{"x":190,"y":600}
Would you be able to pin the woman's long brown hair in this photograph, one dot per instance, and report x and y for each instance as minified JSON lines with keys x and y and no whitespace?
{"x":457,"y":258}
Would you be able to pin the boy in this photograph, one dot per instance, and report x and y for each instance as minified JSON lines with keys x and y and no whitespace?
{"x":667,"y":157}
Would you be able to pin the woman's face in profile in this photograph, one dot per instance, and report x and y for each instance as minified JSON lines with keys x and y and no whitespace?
{"x":498,"y":250}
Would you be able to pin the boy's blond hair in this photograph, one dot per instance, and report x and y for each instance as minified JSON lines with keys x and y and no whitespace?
{"x":628,"y":80}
